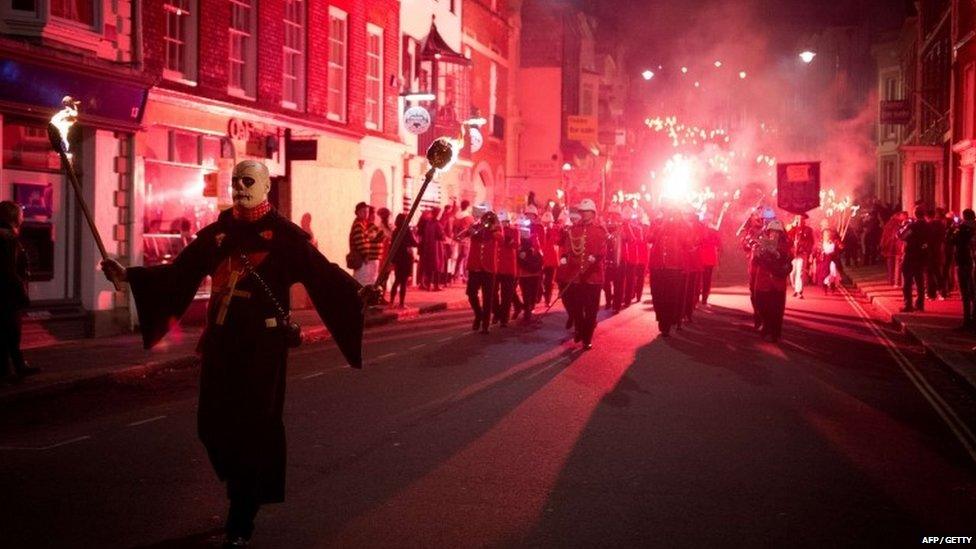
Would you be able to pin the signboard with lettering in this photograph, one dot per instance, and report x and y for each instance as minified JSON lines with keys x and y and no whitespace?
{"x":798,"y":186}
{"x":582,"y":129}
{"x":896,"y":112}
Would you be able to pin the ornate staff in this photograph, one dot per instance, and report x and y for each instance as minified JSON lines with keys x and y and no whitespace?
{"x":57,"y":133}
{"x":441,"y":154}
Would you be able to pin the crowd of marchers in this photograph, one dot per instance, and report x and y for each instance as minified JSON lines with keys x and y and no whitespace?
{"x":512,"y":263}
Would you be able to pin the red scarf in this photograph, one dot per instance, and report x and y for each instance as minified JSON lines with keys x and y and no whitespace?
{"x":252,"y":214}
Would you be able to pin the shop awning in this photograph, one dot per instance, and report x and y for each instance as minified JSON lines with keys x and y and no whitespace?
{"x":36,"y":90}
{"x":435,"y":47}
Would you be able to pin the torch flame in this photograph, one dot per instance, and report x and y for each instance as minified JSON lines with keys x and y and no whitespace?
{"x":65,"y":118}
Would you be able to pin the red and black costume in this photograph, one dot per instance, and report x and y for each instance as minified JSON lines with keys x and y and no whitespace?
{"x":668,"y":262}
{"x":530,"y":268}
{"x":506,"y":273}
{"x":581,"y":276}
{"x":550,"y":260}
{"x":481,"y":273}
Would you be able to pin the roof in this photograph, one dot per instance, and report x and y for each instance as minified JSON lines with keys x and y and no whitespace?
{"x":435,"y":47}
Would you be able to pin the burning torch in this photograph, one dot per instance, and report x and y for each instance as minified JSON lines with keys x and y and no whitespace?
{"x":57,"y":133}
{"x":441,"y":155}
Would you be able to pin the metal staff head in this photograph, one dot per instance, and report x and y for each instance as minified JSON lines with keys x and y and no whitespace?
{"x":61,"y":123}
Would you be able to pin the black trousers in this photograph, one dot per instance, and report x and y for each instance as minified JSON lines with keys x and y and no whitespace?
{"x":772,"y":306}
{"x":756,"y":317}
{"x":667,"y":293}
{"x":504,"y":292}
{"x":934,"y":277}
{"x":585,"y":299}
{"x":11,"y":326}
{"x":400,"y":278}
{"x":481,"y":293}
{"x":913,"y":274}
{"x":638,"y":272}
{"x":706,"y":283}
{"x":548,"y":276}
{"x":966,"y":283}
{"x":530,"y":293}
{"x":613,"y":285}
{"x":692,"y":292}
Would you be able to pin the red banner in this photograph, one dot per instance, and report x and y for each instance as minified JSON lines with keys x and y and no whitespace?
{"x":798,"y":186}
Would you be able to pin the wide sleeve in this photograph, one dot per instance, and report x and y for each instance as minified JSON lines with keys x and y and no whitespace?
{"x":336,"y":297}
{"x":162,"y":293}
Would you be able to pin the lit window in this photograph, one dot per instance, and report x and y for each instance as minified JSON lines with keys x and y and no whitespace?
{"x":80,"y":11}
{"x":337,"y":64}
{"x":374,"y":77}
{"x":242,"y":48}
{"x":293,"y":71}
{"x":180,"y":39}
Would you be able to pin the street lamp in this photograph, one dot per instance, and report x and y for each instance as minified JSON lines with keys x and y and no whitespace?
{"x":807,"y":56}
{"x":718,"y":64}
{"x":742,"y":75}
{"x":648,"y":74}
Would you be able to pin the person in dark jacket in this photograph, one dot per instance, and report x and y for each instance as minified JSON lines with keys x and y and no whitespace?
{"x":962,"y":245}
{"x":13,"y":286}
{"x":402,"y":261}
{"x":915,"y":234}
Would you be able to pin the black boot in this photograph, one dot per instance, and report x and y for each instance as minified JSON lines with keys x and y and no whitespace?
{"x":240,"y":523}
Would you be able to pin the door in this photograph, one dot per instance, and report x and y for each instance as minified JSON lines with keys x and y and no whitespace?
{"x":48,"y":232}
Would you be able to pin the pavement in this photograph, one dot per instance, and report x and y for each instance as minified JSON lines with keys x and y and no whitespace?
{"x":95,"y":362}
{"x":935,"y":329}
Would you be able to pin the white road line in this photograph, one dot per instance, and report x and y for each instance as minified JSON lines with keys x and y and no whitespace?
{"x":445,"y":339}
{"x":948,"y":415}
{"x":797,"y":346}
{"x":49,"y":447}
{"x":415,"y":347}
{"x":316,"y":374}
{"x":145,"y":421}
{"x":387,"y":355}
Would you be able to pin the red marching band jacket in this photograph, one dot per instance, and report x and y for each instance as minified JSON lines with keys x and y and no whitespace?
{"x":669,"y":247}
{"x":550,"y":247}
{"x":507,"y":252}
{"x":578,"y":244}
{"x":481,"y":257}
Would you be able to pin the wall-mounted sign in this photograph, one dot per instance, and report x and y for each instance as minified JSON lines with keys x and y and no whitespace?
{"x":582,"y":129}
{"x":798,"y":186}
{"x":477,"y":140}
{"x":897,"y":112}
{"x":416,"y":119}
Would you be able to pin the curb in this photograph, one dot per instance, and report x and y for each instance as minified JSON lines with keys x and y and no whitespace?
{"x":137,"y":373}
{"x":891,"y":317}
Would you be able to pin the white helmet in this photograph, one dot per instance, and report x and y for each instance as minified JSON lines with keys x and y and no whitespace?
{"x":547,"y":217}
{"x":503,"y":216}
{"x":586,"y":205}
{"x":481,"y":209}
{"x":531,"y":209}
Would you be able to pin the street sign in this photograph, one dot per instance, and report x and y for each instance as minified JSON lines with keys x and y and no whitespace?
{"x":582,"y":129}
{"x":896,"y":111}
{"x":798,"y":186}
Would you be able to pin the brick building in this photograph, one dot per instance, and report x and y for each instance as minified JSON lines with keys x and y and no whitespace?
{"x":49,"y":49}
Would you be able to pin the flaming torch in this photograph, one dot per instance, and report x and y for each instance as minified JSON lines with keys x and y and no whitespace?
{"x":441,"y":155}
{"x":57,"y":133}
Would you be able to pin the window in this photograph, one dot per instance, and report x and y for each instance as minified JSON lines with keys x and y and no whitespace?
{"x":242,"y":49}
{"x":492,"y":96}
{"x":180,"y":39}
{"x":338,"y":36}
{"x":80,"y":11}
{"x":409,"y":63}
{"x":293,"y":71}
{"x":586,"y":100}
{"x":889,"y":131}
{"x":968,"y":98}
{"x":374,"y":77}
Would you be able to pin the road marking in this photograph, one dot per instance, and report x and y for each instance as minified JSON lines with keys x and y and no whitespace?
{"x":145,"y":421}
{"x":387,"y":355}
{"x":948,"y":415}
{"x":415,"y":347}
{"x":49,"y":447}
{"x":316,"y":374}
{"x":797,"y":346}
{"x":445,"y":339}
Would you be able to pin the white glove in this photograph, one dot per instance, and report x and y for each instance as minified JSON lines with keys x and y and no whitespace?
{"x":591,"y":259}
{"x":562,"y":261}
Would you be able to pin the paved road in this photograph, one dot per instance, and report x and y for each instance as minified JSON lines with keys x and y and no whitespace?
{"x":454,"y":439}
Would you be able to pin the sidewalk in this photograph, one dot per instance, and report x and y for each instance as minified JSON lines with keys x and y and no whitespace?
{"x":96,"y":362}
{"x":934,"y":329}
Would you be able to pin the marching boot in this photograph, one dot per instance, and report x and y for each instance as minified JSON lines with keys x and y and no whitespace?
{"x":240,"y":523}
{"x":476,"y":324}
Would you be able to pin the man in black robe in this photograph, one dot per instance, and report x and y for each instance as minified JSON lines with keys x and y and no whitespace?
{"x":253,"y":255}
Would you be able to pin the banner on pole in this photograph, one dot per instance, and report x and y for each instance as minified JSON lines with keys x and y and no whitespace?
{"x":798,"y":186}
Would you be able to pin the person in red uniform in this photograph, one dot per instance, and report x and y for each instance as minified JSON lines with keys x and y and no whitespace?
{"x":530,"y":260}
{"x":639,"y":269}
{"x":581,"y":266}
{"x":711,"y":243}
{"x":613,"y":266}
{"x":695,"y":236}
{"x":668,"y":263}
{"x":628,"y":258}
{"x":485,"y":236}
{"x":801,"y":239}
{"x":550,"y":254}
{"x":506,"y":254}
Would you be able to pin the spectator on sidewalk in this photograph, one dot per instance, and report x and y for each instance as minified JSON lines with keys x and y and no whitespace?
{"x":387,"y":230}
{"x":366,"y":243}
{"x":915,"y":234}
{"x":893,"y":248}
{"x":402,"y":262}
{"x":936,"y":254}
{"x":463,"y":221}
{"x":963,"y":242}
{"x":13,"y":288}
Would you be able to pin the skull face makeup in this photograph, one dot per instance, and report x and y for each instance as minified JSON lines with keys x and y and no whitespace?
{"x":250,"y":183}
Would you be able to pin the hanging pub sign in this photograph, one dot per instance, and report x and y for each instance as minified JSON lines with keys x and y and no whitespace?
{"x":416,"y":119}
{"x":477,"y":140}
{"x":798,"y":186}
